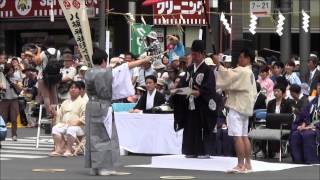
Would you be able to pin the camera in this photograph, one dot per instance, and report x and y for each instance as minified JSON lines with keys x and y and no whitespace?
{"x":1,"y":67}
{"x":2,"y":94}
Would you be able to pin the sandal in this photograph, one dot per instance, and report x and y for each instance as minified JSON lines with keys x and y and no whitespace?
{"x":54,"y":154}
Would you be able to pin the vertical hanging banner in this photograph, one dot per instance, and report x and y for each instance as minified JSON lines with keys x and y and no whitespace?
{"x":138,"y":36}
{"x":76,"y":15}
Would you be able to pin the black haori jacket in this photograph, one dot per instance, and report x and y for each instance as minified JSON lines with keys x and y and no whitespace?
{"x":203,"y":79}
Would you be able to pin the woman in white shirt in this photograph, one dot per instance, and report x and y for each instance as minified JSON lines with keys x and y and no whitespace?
{"x":17,"y":74}
{"x":291,"y":76}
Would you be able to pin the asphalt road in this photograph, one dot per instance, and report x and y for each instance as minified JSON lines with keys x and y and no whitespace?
{"x":18,"y":168}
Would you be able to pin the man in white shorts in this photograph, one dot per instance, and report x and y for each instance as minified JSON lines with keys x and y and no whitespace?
{"x":240,"y":87}
{"x":237,"y":123}
{"x":70,"y":121}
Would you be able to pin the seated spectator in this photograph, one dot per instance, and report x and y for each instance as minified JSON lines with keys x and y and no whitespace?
{"x":313,"y":74}
{"x":83,"y":93}
{"x":291,"y":76}
{"x":305,"y":134}
{"x":265,"y":82}
{"x":300,"y":101}
{"x":277,"y":105}
{"x":151,"y":98}
{"x":140,"y":90}
{"x":70,"y":121}
{"x":277,"y":70}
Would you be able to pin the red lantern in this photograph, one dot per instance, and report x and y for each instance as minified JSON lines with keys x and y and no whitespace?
{"x":151,"y":2}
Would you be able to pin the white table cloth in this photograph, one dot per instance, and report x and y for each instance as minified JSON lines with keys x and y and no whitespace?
{"x":148,"y":133}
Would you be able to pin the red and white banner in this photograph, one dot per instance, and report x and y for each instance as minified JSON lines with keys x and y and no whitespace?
{"x":183,"y":12}
{"x":76,"y":15}
{"x":36,"y":8}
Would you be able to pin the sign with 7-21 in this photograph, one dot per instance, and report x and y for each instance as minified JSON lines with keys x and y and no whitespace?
{"x":260,"y":8}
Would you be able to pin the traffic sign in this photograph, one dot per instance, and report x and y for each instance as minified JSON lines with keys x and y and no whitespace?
{"x":260,"y":8}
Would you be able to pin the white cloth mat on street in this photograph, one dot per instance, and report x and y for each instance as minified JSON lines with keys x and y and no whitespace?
{"x":215,"y":163}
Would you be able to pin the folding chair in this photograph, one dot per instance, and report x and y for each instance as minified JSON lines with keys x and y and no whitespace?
{"x":260,"y":116}
{"x":318,"y":143}
{"x":277,"y":128}
{"x":79,"y":146}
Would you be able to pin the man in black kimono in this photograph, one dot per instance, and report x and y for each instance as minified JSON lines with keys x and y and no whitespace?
{"x":196,"y":111}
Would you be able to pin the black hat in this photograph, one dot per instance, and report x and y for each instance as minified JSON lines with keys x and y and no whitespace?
{"x":170,"y":69}
{"x":29,"y":69}
{"x":67,"y":51}
{"x":198,"y":46}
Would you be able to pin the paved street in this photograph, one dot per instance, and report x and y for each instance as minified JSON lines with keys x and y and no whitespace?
{"x":18,"y":159}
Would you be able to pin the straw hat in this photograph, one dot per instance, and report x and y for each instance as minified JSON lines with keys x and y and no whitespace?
{"x":160,"y":82}
{"x":158,"y":65}
{"x":83,"y":68}
{"x":153,"y":35}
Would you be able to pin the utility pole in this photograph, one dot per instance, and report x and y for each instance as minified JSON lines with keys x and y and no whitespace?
{"x":2,"y":39}
{"x":102,"y":24}
{"x":236,"y":21}
{"x":285,"y":39}
{"x":212,"y":31}
{"x":304,"y":38}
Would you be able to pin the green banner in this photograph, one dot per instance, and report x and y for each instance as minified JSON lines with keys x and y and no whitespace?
{"x":138,"y":34}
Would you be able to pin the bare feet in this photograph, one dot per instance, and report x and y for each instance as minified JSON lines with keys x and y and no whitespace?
{"x":248,"y":167}
{"x":55,"y":154}
{"x":237,"y":169}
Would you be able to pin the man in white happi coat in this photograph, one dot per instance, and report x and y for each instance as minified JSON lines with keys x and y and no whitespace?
{"x":240,"y":86}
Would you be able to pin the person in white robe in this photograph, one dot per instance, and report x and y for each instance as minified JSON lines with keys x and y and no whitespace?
{"x":70,"y":121}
